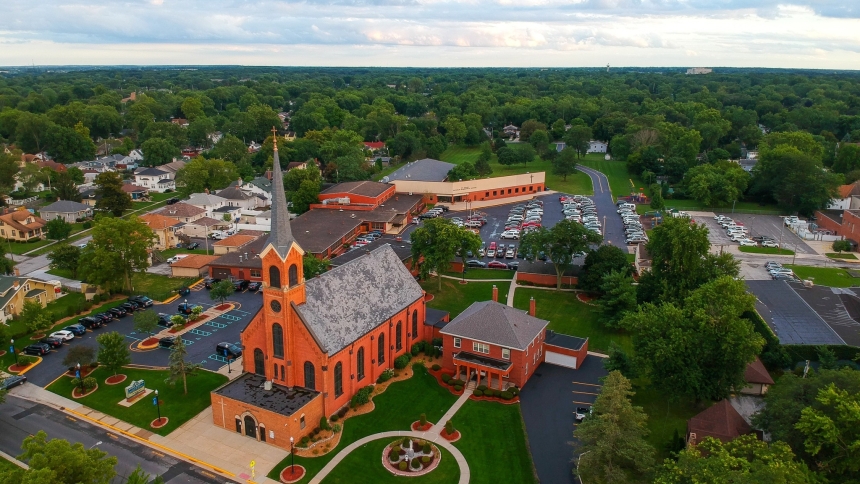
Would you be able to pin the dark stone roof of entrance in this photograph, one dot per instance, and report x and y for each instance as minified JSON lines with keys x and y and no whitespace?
{"x":496,"y":323}
{"x":503,"y":365}
{"x":248,"y":388}
{"x":435,"y":317}
{"x":348,"y":301}
{"x":564,"y":341}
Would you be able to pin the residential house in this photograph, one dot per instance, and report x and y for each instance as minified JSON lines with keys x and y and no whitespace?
{"x":254,"y":147}
{"x":203,"y":226}
{"x":259,"y":186}
{"x":183,"y":212}
{"x":757,"y":378}
{"x":154,"y":180}
{"x":135,"y":192}
{"x":234,"y":243}
{"x":165,"y":228}
{"x":227,"y":213}
{"x":511,"y":131}
{"x":16,"y":290}
{"x":720,"y":421}
{"x":172,"y":167}
{"x":848,"y":199}
{"x":297,"y":165}
{"x":21,"y":225}
{"x":215,"y":137}
{"x":180,"y":121}
{"x":597,"y":146}
{"x":67,"y":210}
{"x":236,"y":197}
{"x":207,"y":202}
{"x":89,"y":175}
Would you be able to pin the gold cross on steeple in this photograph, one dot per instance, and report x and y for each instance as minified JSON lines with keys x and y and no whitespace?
{"x":275,"y":137}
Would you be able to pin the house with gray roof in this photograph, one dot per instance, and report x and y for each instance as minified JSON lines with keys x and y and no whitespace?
{"x":427,"y":169}
{"x":154,"y":180}
{"x":67,"y":210}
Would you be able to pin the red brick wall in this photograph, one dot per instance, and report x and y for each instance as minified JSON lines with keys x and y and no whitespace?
{"x":358,"y":199}
{"x":236,"y":272}
{"x":848,"y":226}
{"x":515,"y":191}
{"x":545,"y":279}
{"x":523,"y":366}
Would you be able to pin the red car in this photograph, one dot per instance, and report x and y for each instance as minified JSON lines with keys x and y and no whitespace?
{"x":494,"y":264}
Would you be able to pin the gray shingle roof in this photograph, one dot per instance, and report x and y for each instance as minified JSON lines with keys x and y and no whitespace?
{"x":233,"y":193}
{"x":281,"y":235}
{"x":151,"y":172}
{"x":427,"y":169}
{"x":496,"y":323}
{"x":262,"y":183}
{"x":65,"y":206}
{"x":348,"y":301}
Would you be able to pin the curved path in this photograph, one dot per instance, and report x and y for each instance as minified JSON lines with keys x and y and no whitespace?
{"x":613,"y":228}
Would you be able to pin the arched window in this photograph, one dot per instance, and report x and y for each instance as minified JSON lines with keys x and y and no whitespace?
{"x":274,"y":277}
{"x":399,"y":336}
{"x":381,"y":355}
{"x":259,"y":362}
{"x":283,"y":373}
{"x":294,"y":275}
{"x":310,"y":376}
{"x":250,"y":427}
{"x":359,"y":363}
{"x":415,"y":324}
{"x":277,"y":341}
{"x":338,"y":380}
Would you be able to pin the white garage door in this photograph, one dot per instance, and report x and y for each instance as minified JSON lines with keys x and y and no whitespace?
{"x":561,"y":360}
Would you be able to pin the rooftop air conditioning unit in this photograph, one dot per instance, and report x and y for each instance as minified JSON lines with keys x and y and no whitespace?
{"x":267,"y":385}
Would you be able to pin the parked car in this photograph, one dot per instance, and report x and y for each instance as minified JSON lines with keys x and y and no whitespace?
{"x":37,"y":349}
{"x":510,"y":234}
{"x":748,"y":243}
{"x":52,"y":342}
{"x":147,"y":302}
{"x":167,"y":342}
{"x":511,"y":252}
{"x":581,"y":413}
{"x":240,"y":285}
{"x":13,"y":381}
{"x":494,"y":264}
{"x":475,"y":263}
{"x":255,"y":286}
{"x":514,"y":265}
{"x":118,"y":312}
{"x":193,"y":245}
{"x":63,"y":335}
{"x":105,"y":318}
{"x":171,"y":201}
{"x":164,"y":320}
{"x":76,"y":329}
{"x":90,"y":322}
{"x":228,"y":350}
{"x":186,"y":308}
{"x":135,"y":305}
{"x":207,"y":282}
{"x":769,"y":243}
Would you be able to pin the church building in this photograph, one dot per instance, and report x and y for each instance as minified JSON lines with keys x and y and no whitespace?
{"x":315,"y":343}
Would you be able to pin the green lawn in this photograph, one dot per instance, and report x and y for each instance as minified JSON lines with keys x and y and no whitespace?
{"x":664,"y":416}
{"x":400,"y":405}
{"x":567,"y":315}
{"x":365,"y":462}
{"x":175,"y":405}
{"x":621,"y":181}
{"x":841,"y":255}
{"x":19,"y":248}
{"x":484,"y":274}
{"x":766,"y":250}
{"x":825,"y":276}
{"x":578,"y":183}
{"x":494,"y":443}
{"x":456,"y":297}
{"x":156,"y":286}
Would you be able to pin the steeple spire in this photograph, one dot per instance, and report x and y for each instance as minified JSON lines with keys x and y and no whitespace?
{"x":281,"y":236}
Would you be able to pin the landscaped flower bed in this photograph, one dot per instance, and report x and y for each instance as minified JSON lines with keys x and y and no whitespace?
{"x":410,"y":457}
{"x":222,"y":307}
{"x":511,"y":395}
{"x":115,"y":379}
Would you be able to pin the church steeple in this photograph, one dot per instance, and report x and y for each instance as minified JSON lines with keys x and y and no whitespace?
{"x":281,"y":236}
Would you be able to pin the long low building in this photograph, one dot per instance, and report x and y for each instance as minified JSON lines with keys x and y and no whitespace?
{"x":474,"y":190}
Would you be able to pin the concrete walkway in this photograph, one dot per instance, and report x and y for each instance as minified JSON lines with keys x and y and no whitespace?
{"x":450,"y":413}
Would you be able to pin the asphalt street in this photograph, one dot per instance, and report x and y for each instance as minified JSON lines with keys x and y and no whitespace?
{"x":19,"y":418}
{"x":613,"y":228}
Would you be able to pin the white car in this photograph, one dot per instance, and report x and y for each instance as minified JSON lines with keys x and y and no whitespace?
{"x":510,"y":234}
{"x":769,"y":243}
{"x":177,"y":258}
{"x":748,"y":243}
{"x":63,"y":335}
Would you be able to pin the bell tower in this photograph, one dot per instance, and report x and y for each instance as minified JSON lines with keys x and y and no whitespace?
{"x":283,"y":283}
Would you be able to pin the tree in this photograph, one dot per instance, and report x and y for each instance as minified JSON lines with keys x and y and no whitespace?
{"x":312,"y":266}
{"x":85,"y":355}
{"x":437,"y":243}
{"x":578,"y":138}
{"x":565,"y":163}
{"x":221,"y":290}
{"x":831,"y":434}
{"x":69,"y":145}
{"x":119,"y":247}
{"x":138,"y":476}
{"x":76,"y":174}
{"x":507,"y":155}
{"x":618,"y":360}
{"x":200,"y":174}
{"x":557,"y":129}
{"x":744,"y":459}
{"x":66,"y":257}
{"x":482,"y":165}
{"x":34,"y":317}
{"x":65,"y":188}
{"x":307,"y":194}
{"x":6,"y":264}
{"x":159,"y":151}
{"x":559,"y":243}
{"x":192,"y":108}
{"x":230,"y":148}
{"x":619,"y":297}
{"x":612,"y":446}
{"x":716,"y":185}
{"x":847,"y":158}
{"x":540,"y":141}
{"x":462,"y":171}
{"x":524,"y":153}
{"x":56,"y":461}
{"x":111,"y":197}
{"x":711,"y":125}
{"x":529,"y":127}
{"x":681,"y":261}
{"x":113,"y":351}
{"x":58,"y":229}
{"x":9,"y":168}
{"x":841,"y":246}
{"x":455,"y":129}
{"x":179,"y":368}
{"x":31,"y":176}
{"x":657,"y":202}
{"x":701,"y":347}
{"x":145,"y":322}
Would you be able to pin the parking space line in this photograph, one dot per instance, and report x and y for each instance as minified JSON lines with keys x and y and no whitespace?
{"x":216,"y":325}
{"x":583,"y":403}
{"x":218,"y":357}
{"x":230,"y":317}
{"x":585,"y":393}
{"x":199,"y":332}
{"x":589,"y":384}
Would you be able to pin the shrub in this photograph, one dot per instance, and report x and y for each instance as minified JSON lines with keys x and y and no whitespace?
{"x":87,"y":225}
{"x":514,"y":391}
{"x":334,"y":417}
{"x":436,"y":367}
{"x":506,"y":395}
{"x":401,"y":361}
{"x":385,"y":376}
{"x":445,"y":377}
{"x":97,"y":299}
{"x":342,"y":412}
{"x":70,"y":311}
{"x":425,"y":459}
{"x":394,"y":455}
{"x":449,"y":427}
{"x":305,"y":440}
{"x":482,"y":387}
{"x":416,"y":464}
{"x":437,"y":341}
{"x":88,"y":305}
{"x":478,"y":393}
{"x":316,"y":431}
{"x":416,"y":348}
{"x":402,"y":466}
{"x":324,"y":424}
{"x":423,"y":419}
{"x":335,"y":428}
{"x":406,"y":442}
{"x":426,"y":448}
{"x":24,"y":360}
{"x":458,"y":388}
{"x":361,"y":397}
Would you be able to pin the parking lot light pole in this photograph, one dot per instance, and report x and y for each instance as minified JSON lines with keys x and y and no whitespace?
{"x":292,"y":457}
{"x":12,"y":349}
{"x":80,"y":377}
{"x":158,"y":406}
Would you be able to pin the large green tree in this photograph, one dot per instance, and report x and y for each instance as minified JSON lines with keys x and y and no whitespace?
{"x":113,"y":351}
{"x":618,"y":297}
{"x":112,"y":199}
{"x":559,"y":243}
{"x":68,"y":145}
{"x":601,"y":261}
{"x":701,"y":346}
{"x":578,"y":139}
{"x":159,"y":151}
{"x":65,"y":188}
{"x":200,"y":174}
{"x":58,"y":229}
{"x":612,"y":446}
{"x":65,"y":257}
{"x":719,"y":184}
{"x":565,"y":163}
{"x":119,"y":248}
{"x":437,"y":242}
{"x":56,"y":461}
{"x":832,"y":434}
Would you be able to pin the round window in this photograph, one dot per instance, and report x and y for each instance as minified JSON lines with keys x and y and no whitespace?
{"x":276,"y":306}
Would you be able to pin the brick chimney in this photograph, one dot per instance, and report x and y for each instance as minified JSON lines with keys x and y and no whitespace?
{"x":15,"y":284}
{"x":17,"y":272}
{"x":532,"y":306}
{"x":206,"y":190}
{"x":495,"y":293}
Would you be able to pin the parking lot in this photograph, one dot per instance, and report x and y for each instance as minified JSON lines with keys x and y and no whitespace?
{"x":200,"y":340}
{"x":759,"y":225}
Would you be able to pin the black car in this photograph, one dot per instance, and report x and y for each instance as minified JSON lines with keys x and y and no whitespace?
{"x":255,"y":286}
{"x":104,"y":318}
{"x":76,"y":329}
{"x":164,"y":320}
{"x":183,"y":291}
{"x":37,"y":349}
{"x":193,"y":245}
{"x":209,"y":281}
{"x":52,"y":342}
{"x":186,"y":308}
{"x":118,"y":312}
{"x":228,"y":350}
{"x":171,"y":201}
{"x":513,"y":265}
{"x":142,"y":300}
{"x":476,"y":263}
{"x":90,"y":322}
{"x":167,"y":341}
{"x":134,"y":305}
{"x":13,"y":381}
{"x":240,"y":285}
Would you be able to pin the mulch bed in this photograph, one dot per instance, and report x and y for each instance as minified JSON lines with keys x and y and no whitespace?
{"x":2,"y":352}
{"x":76,"y":393}
{"x":516,"y":399}
{"x":37,"y":337}
{"x":148,"y":343}
{"x":450,"y":437}
{"x":85,"y":372}
{"x":428,"y":297}
{"x":222,"y":307}
{"x":417,"y":427}
{"x":17,"y":369}
{"x":585,"y":298}
{"x":157,"y":424}
{"x":292,"y":474}
{"x":115,"y":379}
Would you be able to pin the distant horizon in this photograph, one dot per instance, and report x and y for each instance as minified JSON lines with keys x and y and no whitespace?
{"x":262,"y":66}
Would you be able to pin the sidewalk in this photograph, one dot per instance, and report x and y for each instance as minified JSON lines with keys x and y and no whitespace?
{"x":440,"y":425}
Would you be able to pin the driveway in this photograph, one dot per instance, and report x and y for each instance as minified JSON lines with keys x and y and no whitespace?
{"x":613,"y":228}
{"x":548,"y":402}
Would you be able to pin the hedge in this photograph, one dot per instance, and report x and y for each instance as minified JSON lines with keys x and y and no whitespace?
{"x":436,"y":368}
{"x":458,"y":388}
{"x":361,"y":397}
{"x":401,"y":361}
{"x":808,"y":352}
{"x":506,"y":395}
{"x":478,"y":393}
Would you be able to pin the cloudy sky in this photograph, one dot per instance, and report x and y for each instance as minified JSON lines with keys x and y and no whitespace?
{"x":463,"y":33}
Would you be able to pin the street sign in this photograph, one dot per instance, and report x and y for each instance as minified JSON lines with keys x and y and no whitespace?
{"x":155,"y":401}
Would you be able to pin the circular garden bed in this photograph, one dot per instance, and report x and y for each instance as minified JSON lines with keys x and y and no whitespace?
{"x":159,"y":422}
{"x":76,"y":393}
{"x":450,"y":437}
{"x":410,"y":457}
{"x":292,"y":474}
{"x":418,"y":427}
{"x":85,"y":371}
{"x":115,"y":379}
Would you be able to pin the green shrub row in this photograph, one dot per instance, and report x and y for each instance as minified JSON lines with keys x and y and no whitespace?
{"x":385,"y":375}
{"x":361,"y":397}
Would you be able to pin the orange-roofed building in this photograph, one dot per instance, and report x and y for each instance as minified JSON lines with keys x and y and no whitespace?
{"x":233,"y":243}
{"x":164,"y":227}
{"x":21,"y":225}
{"x":757,"y":378}
{"x":720,"y":421}
{"x":194,"y":265}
